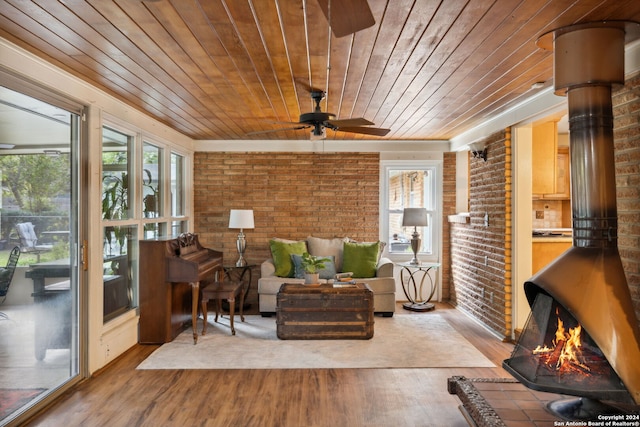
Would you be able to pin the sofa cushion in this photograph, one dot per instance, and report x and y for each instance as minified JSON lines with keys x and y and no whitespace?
{"x":381,"y":246}
{"x":281,"y":252}
{"x":328,"y":272}
{"x":325,"y":247}
{"x":360,"y":258}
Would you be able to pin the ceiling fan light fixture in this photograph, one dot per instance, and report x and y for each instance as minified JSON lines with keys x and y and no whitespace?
{"x":315,"y":136}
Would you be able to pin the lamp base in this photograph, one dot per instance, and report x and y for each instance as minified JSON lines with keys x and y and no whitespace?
{"x":415,"y":247}
{"x":241,"y":245}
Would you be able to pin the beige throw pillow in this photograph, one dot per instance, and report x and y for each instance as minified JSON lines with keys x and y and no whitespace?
{"x":327,"y":247}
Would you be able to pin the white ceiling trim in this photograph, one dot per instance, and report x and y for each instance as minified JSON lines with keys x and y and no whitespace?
{"x":319,"y":146}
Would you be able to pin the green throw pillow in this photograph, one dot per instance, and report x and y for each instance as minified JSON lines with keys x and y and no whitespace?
{"x":281,"y":253}
{"x":361,"y":259}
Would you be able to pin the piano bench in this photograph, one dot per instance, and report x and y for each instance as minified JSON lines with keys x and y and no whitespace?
{"x":228,"y":290}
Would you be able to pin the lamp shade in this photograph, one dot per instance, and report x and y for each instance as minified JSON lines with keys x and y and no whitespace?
{"x":414,"y":217}
{"x":241,"y":218}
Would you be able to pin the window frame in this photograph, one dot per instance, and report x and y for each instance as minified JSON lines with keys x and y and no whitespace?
{"x":165,"y":224}
{"x":434,"y":212}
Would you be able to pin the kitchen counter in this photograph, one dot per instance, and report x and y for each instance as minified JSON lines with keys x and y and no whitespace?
{"x":552,"y":239}
{"x":552,"y":235}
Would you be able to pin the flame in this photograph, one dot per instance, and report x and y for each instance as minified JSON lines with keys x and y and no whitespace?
{"x":565,"y":353}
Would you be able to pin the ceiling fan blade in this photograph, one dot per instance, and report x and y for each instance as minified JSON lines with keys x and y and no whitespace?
{"x":347,"y":16}
{"x":277,"y":130}
{"x":350,"y":122}
{"x":287,"y":123}
{"x":365,"y":130}
{"x":306,"y":86}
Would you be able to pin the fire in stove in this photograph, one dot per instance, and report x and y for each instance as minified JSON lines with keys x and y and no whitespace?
{"x":556,"y":354}
{"x":566,"y":356}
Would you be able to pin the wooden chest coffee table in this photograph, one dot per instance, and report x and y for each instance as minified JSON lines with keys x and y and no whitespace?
{"x":324,"y":312}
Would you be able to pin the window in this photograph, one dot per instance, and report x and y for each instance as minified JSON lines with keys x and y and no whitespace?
{"x":151,"y":181}
{"x":143,"y":197}
{"x":410,"y":185}
{"x":178,"y":205}
{"x":177,"y":185}
{"x":116,"y":172}
{"x":120,"y":240}
{"x":152,"y":190}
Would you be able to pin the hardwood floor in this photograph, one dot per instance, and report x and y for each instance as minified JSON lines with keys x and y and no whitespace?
{"x":120,"y":395}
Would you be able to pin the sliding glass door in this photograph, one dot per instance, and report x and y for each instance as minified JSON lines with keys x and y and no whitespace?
{"x":39,"y":210}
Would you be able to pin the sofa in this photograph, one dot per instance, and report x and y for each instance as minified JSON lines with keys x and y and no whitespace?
{"x":361,"y":258}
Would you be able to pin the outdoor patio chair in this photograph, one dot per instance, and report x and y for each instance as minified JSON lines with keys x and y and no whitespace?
{"x":29,"y":240}
{"x":6,"y":275}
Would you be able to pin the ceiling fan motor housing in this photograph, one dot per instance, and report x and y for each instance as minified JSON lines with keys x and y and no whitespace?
{"x":316,"y":117}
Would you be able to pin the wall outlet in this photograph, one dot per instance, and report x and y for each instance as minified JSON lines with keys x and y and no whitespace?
{"x":539,"y":214}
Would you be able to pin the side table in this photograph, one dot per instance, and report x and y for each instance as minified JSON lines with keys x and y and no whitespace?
{"x":237,"y":273}
{"x":414,"y":285}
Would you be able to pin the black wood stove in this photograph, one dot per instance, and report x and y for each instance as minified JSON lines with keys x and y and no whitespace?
{"x":582,"y":337}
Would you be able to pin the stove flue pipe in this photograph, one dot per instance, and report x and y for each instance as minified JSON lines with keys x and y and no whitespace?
{"x":588,"y":279}
{"x":587,"y":61}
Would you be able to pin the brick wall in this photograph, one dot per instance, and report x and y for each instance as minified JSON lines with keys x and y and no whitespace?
{"x":481,"y":254}
{"x":293,"y":195}
{"x":448,"y":208}
{"x":626,"y":111}
{"x":485,"y":291}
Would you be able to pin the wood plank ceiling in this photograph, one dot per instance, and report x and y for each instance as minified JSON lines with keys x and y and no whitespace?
{"x":222,"y":69}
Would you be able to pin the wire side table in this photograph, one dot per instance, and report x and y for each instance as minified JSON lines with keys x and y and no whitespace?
{"x":414,"y":288}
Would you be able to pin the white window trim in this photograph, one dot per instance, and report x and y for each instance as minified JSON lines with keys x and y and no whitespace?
{"x":386,"y":165}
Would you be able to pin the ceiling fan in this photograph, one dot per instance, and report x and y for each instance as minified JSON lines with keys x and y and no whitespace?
{"x":319,"y":121}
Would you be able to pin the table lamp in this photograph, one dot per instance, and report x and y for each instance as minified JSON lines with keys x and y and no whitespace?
{"x":241,"y":218}
{"x":415,"y":217}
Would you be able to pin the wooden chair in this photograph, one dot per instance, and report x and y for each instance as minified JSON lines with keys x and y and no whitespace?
{"x":29,"y":240}
{"x":6,"y":275}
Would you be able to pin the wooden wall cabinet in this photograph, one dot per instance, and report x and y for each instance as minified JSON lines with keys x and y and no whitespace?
{"x":550,"y":164}
{"x":545,"y":252}
{"x":563,"y":177}
{"x":544,"y":158}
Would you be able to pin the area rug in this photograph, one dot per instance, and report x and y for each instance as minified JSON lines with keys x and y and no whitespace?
{"x":401,"y":341}
{"x":12,"y":399}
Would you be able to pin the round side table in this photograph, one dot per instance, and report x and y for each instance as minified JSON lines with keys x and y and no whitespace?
{"x":414,"y":287}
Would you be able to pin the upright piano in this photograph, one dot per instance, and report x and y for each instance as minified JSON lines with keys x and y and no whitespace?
{"x":171,"y":270}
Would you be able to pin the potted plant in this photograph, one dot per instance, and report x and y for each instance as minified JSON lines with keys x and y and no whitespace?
{"x":312,"y":266}
{"x":150,"y":201}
